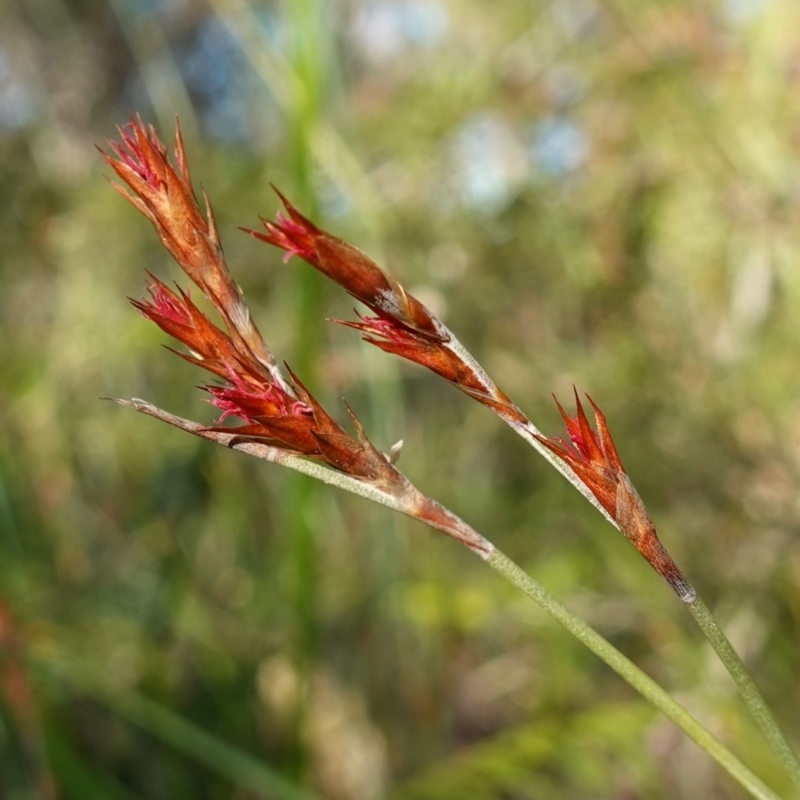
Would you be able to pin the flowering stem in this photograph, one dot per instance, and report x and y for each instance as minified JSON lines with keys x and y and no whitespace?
{"x":750,"y":694}
{"x":412,"y":503}
{"x":643,"y":684}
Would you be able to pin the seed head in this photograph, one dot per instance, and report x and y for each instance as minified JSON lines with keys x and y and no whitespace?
{"x":593,"y":457}
{"x":402,"y":324}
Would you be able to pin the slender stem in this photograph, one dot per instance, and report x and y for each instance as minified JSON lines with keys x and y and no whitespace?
{"x":418,"y":506}
{"x":643,"y":684}
{"x":749,"y":691}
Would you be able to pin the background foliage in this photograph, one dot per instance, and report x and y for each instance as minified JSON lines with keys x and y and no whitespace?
{"x":592,"y":192}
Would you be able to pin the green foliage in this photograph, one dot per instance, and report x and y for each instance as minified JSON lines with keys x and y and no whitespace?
{"x":601,"y":194}
{"x":582,"y":755}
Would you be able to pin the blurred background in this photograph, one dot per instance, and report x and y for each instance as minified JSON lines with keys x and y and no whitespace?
{"x":603,"y":193}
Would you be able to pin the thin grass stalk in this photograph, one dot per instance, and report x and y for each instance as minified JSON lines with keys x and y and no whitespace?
{"x":640,"y":681}
{"x":750,"y":693}
{"x":284,"y":423}
{"x":287,"y":80}
{"x":589,"y":460}
{"x":513,"y":573}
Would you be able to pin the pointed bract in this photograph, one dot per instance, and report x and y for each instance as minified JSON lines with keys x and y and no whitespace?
{"x":272,"y":408}
{"x":164,"y":194}
{"x":594,"y":459}
{"x":402,"y":325}
{"x":356,"y":272}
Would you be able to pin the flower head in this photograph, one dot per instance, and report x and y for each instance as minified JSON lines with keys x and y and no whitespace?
{"x":274,"y":410}
{"x":593,"y":457}
{"x":356,"y":272}
{"x":591,"y":454}
{"x":209,"y":347}
{"x":135,"y":150}
{"x":402,"y":324}
{"x":164,"y":194}
{"x":270,"y":415}
{"x":284,"y":415}
{"x":280,"y":418}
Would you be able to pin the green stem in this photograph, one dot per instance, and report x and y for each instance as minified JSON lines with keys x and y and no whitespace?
{"x":749,"y":691}
{"x":456,"y":528}
{"x":643,"y":684}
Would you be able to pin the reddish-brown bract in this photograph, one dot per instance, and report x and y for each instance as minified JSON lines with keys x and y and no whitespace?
{"x":282,"y":413}
{"x":350,"y":268}
{"x":211,"y":348}
{"x":593,"y":457}
{"x":402,"y":325}
{"x":164,"y":194}
{"x":275,"y":411}
{"x":392,"y":336}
